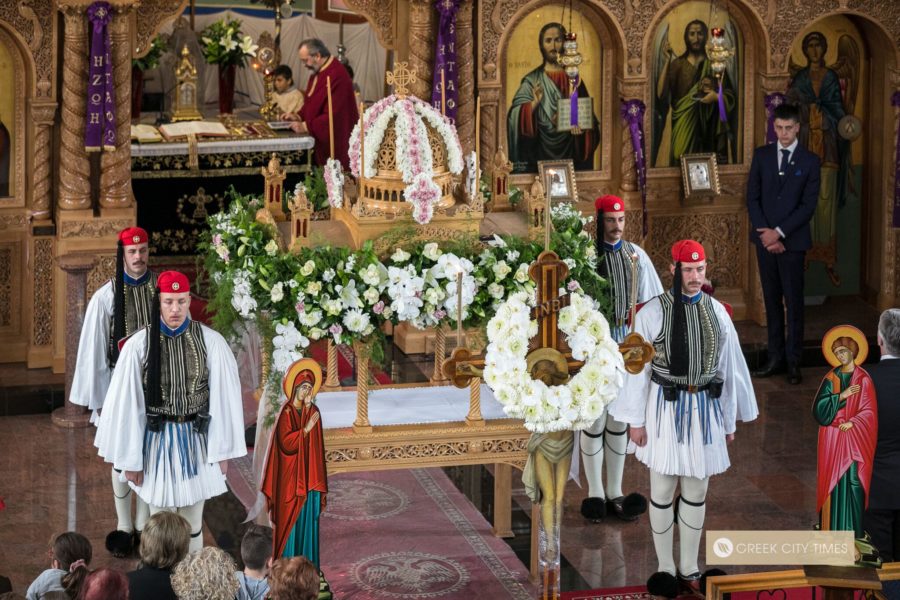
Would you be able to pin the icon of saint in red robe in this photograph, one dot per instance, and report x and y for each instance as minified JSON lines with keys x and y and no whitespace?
{"x":846,"y":411}
{"x":295,"y":483}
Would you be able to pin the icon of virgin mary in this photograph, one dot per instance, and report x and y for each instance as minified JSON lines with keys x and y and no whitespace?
{"x":295,"y":482}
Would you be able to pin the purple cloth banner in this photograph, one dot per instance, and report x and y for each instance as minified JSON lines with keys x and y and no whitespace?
{"x":895,"y":102}
{"x":773,"y":101}
{"x":573,"y":103}
{"x":445,"y":59}
{"x":100,"y":129}
{"x":723,"y":116}
{"x":633,"y":113}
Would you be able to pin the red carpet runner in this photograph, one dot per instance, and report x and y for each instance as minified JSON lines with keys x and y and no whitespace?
{"x":411,"y":534}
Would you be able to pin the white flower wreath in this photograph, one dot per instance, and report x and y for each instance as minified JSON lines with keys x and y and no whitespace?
{"x":574,"y":405}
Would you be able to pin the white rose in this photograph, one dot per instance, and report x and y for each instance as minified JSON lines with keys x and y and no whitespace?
{"x":308,"y":268}
{"x":371,"y":295}
{"x":277,"y":293}
{"x":313,"y":288}
{"x":431,"y":251}
{"x":271,"y":248}
{"x":522,"y":273}
{"x":400,"y":256}
{"x":495,"y":290}
{"x":501,"y":269}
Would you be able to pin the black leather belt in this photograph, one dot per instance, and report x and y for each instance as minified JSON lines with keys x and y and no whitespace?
{"x":175,"y":418}
{"x":693,"y":389}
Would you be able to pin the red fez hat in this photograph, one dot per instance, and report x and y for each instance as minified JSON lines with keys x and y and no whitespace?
{"x":132,"y":236}
{"x":687,"y":251}
{"x":173,"y":282}
{"x":609,"y":203}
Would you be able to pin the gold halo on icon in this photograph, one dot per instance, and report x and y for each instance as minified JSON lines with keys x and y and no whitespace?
{"x":844,"y":331}
{"x":304,"y":364}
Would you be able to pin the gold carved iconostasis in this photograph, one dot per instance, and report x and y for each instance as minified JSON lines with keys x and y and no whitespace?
{"x":655,"y":52}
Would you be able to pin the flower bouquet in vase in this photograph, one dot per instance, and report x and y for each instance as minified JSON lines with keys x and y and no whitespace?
{"x":147,"y":62}
{"x":224,"y":45}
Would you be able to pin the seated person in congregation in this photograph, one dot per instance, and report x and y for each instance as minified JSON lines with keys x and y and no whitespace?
{"x":256,"y":552}
{"x":288,"y":98}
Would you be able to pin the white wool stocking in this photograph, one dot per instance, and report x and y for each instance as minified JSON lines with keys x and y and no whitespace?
{"x":662,"y":519}
{"x":616,"y":442}
{"x":690,"y":523}
{"x":122,"y":498}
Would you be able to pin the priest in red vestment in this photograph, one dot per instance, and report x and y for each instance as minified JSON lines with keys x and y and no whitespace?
{"x":295,"y":482}
{"x":846,"y":411}
{"x":313,"y":116}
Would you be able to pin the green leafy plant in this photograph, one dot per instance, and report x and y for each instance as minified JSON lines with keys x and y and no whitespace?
{"x":224,"y":44}
{"x":316,"y":192}
{"x":151,"y":59}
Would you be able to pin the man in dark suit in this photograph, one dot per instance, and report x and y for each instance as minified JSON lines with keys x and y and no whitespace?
{"x":782,"y":192}
{"x":882,"y":517}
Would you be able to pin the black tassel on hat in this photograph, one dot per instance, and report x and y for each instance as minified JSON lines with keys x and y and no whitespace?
{"x":118,"y":303}
{"x":602,"y":267}
{"x":152,"y":391}
{"x":678,"y":358}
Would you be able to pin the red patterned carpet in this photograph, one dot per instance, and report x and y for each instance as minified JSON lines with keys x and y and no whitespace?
{"x":421,"y":538}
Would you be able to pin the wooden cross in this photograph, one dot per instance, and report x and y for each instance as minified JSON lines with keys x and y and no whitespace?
{"x":548,"y":272}
{"x":400,"y":78}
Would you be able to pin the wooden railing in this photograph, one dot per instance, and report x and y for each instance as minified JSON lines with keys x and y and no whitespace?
{"x":838,"y":582}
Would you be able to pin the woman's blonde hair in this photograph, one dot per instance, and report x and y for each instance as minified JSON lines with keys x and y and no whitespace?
{"x":205,"y":575}
{"x":165,"y":540}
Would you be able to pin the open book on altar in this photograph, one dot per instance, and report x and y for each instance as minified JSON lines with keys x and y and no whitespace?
{"x":173,"y":131}
{"x":145,"y":134}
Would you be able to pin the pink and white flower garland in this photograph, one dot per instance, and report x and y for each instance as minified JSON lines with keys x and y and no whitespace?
{"x":414,"y":158}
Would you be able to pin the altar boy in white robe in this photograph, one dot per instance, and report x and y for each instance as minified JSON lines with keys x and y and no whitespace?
{"x":173,"y":414}
{"x":119,"y":308}
{"x":605,"y":442}
{"x":682,"y":409}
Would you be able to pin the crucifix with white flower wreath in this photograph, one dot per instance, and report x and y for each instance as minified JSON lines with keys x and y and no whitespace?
{"x":557,"y":384}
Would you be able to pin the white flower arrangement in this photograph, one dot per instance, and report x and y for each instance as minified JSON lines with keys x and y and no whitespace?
{"x":285,"y":346}
{"x":415,"y":161}
{"x":242,"y":294}
{"x":574,"y":405}
{"x":334,"y":182}
{"x":426,"y":294}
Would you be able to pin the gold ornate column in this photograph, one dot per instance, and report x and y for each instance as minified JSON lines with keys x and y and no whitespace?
{"x":465,"y":67}
{"x":43,"y":115}
{"x":115,"y":173}
{"x":75,"y":169}
{"x":422,"y":19}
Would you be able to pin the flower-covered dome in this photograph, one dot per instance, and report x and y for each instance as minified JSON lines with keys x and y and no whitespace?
{"x":410,"y":152}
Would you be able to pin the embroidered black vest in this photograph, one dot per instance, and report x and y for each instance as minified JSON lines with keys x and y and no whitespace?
{"x":703,"y":332}
{"x":138,"y":305}
{"x":184,"y":374}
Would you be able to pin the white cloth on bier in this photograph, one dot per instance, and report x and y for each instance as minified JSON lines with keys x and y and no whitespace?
{"x":406,"y":406}
{"x":120,"y":435}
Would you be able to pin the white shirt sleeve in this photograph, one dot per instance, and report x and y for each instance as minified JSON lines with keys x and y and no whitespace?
{"x":631,"y":404}
{"x":92,"y":373}
{"x":120,"y":434}
{"x":649,"y":286}
{"x":225,"y":438}
{"x":738,"y":399}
